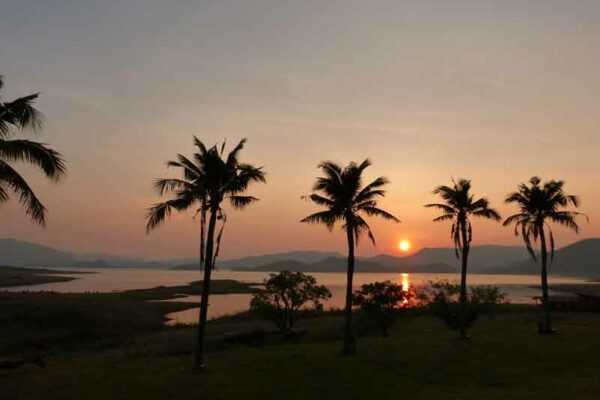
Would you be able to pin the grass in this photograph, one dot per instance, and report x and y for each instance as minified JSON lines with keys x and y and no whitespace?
{"x":421,"y":359}
{"x":17,"y":276}
{"x":51,"y":323}
{"x":116,"y":346}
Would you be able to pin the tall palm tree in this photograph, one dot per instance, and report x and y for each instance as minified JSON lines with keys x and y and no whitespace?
{"x":539,"y":204}
{"x":458,"y":206}
{"x":208,"y":179}
{"x":16,"y":116}
{"x":345,"y":199}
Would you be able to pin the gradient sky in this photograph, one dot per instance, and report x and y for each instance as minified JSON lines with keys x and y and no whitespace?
{"x":495,"y":91}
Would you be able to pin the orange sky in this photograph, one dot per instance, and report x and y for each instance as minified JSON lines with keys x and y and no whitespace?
{"x":494,"y":92}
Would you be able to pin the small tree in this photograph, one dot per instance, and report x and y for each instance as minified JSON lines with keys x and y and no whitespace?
{"x":286,"y":295}
{"x":442,"y":298}
{"x":382,"y":301}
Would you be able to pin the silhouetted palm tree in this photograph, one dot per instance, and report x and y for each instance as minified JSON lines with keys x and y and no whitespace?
{"x":341,"y":192}
{"x":541,"y":203}
{"x":459,"y":204}
{"x":208,"y":181}
{"x":16,"y":116}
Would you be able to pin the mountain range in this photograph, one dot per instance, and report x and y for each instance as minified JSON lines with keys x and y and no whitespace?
{"x":25,"y":254}
{"x":578,"y":259}
{"x":435,"y":260}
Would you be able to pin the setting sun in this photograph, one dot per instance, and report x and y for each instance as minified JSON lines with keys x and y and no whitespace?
{"x":404,"y":245}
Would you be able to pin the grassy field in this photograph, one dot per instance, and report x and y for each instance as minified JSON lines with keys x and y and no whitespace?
{"x":51,"y":323}
{"x":116,"y":346}
{"x":421,"y":360}
{"x":16,"y":276}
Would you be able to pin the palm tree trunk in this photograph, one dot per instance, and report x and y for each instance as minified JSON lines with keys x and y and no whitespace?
{"x":349,"y":343}
{"x":208,"y":261}
{"x":462,"y":311}
{"x":547,"y":328}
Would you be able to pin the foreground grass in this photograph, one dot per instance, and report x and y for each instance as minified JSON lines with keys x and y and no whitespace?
{"x":50,"y":323}
{"x":421,"y":359}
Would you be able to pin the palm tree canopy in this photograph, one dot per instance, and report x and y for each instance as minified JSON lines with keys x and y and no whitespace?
{"x":208,"y":178}
{"x":15,"y":116}
{"x":459,"y":204}
{"x":344,"y":198}
{"x":540,"y":203}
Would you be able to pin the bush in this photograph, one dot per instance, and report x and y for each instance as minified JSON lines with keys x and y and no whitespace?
{"x":287,"y":297}
{"x":442,"y":299}
{"x":382,"y":302}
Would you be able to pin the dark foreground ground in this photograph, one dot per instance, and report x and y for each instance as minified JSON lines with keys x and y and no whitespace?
{"x":116,"y":347}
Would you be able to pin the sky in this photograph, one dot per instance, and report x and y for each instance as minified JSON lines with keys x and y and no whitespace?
{"x":493,"y":91}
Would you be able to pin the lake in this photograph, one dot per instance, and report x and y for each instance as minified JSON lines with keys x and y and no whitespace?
{"x":111,"y":279}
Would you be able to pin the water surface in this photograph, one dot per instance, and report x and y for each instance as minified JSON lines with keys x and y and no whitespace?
{"x":518,"y":287}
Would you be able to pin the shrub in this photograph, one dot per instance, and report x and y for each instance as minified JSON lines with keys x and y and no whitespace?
{"x":382,"y":302}
{"x":287,"y":297}
{"x":442,"y":299}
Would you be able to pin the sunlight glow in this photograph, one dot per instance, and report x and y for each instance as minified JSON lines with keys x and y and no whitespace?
{"x":404,"y":245}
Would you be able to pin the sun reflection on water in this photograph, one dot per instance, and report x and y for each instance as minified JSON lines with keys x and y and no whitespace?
{"x":405,"y":282}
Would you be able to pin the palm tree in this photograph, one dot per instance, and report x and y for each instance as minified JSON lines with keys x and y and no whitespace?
{"x":539,"y":204}
{"x":207,"y":181}
{"x":458,"y":206}
{"x":341,"y":192}
{"x":16,"y":116}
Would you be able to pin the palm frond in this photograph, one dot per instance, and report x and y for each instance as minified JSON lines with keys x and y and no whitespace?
{"x":157,"y":214}
{"x":322,"y":217}
{"x":241,"y":202}
{"x":320,"y":200}
{"x":170,"y":185}
{"x":33,"y":206}
{"x":488,"y":213}
{"x":34,"y":153}
{"x":444,"y":217}
{"x":360,"y":226}
{"x":20,"y":114}
{"x":232,"y":158}
{"x":377,"y":212}
{"x":190,"y":170}
{"x":444,"y":207}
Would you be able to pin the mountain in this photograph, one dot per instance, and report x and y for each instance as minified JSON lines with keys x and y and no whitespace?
{"x":246,"y":263}
{"x":24,"y":254}
{"x":276,"y":266}
{"x":578,"y":259}
{"x":481,"y":258}
{"x":339,"y":264}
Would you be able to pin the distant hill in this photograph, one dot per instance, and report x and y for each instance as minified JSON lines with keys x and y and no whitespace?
{"x":578,"y":259}
{"x":289,"y":265}
{"x":308,"y":257}
{"x":25,"y":254}
{"x":481,"y":258}
{"x":339,"y":264}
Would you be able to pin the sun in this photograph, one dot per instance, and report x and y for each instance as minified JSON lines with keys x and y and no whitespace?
{"x":404,"y":245}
